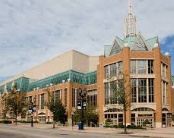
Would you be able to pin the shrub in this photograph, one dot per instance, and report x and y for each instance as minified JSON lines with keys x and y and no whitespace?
{"x":134,"y":127}
{"x":49,"y":122}
{"x":6,"y":121}
{"x":23,"y":121}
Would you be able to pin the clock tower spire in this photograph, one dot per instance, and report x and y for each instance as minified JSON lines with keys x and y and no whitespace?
{"x":130,"y":22}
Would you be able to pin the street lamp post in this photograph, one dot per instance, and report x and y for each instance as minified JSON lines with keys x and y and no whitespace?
{"x":82,"y":94}
{"x":31,"y":114}
{"x":32,"y":109}
{"x":72,"y":114}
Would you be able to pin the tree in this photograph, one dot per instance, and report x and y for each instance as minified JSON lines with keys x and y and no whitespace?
{"x":57,"y":109}
{"x":121,"y":89}
{"x":90,"y":115}
{"x":15,"y":102}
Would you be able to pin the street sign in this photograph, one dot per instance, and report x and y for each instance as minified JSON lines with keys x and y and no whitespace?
{"x":30,"y":108}
{"x":79,"y":104}
{"x":84,"y":103}
{"x":72,"y":112}
{"x":34,"y":108}
{"x":29,"y":111}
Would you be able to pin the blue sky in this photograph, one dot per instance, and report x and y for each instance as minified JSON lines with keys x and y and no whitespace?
{"x":34,"y":31}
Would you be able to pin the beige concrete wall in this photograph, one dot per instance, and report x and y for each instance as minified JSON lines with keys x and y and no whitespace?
{"x":93,"y":62}
{"x":51,"y":67}
{"x":80,"y":62}
{"x":70,"y":60}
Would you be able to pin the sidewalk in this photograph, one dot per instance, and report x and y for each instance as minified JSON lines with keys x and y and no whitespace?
{"x":75,"y":128}
{"x":155,"y":132}
{"x":158,"y":133}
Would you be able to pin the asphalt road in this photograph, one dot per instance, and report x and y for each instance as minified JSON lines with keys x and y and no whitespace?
{"x":17,"y":132}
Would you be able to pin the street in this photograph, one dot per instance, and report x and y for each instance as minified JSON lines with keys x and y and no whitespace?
{"x":18,"y":132}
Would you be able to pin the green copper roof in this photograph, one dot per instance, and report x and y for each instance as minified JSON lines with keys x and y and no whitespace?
{"x":107,"y":50}
{"x":120,"y":42}
{"x":136,"y":43}
{"x":130,"y":40}
{"x":150,"y":42}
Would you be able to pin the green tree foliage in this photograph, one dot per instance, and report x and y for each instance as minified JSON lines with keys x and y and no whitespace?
{"x":57,"y":109}
{"x":90,"y":115}
{"x":122,"y":92}
{"x":15,"y":102}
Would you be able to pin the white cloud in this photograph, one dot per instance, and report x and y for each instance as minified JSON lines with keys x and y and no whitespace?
{"x":33,"y":31}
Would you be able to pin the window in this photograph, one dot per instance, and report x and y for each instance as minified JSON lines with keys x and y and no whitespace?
{"x":143,"y":109}
{"x":30,"y":99}
{"x":165,"y":92}
{"x":151,"y":90}
{"x":133,"y":66}
{"x":42,"y":101}
{"x":42,"y":119}
{"x":106,"y":93}
{"x":92,"y":97}
{"x":120,"y":119}
{"x":164,"y":70}
{"x":134,"y":91}
{"x":133,"y":118}
{"x":113,"y":99}
{"x":57,"y":95}
{"x":141,"y":66}
{"x":120,"y":68}
{"x":73,"y":98}
{"x":106,"y":72}
{"x":142,"y":92}
{"x":150,"y":66}
{"x":113,"y":70}
{"x":65,"y":97}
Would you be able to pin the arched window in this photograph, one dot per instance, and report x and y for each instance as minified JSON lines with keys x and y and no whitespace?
{"x":113,"y":110}
{"x":143,"y":109}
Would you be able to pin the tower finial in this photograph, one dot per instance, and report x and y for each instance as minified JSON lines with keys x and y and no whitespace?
{"x":130,"y":6}
{"x":130,"y":22}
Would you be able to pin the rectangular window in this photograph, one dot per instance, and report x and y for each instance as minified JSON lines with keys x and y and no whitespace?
{"x":133,"y":118}
{"x":65,"y":97}
{"x":134,"y":90}
{"x":120,"y":68}
{"x":133,"y":66}
{"x":42,"y":101}
{"x":164,"y":70}
{"x":92,"y":97}
{"x":73,"y":98}
{"x":150,"y":67}
{"x":113,"y":70}
{"x":57,"y":95}
{"x":106,"y":93}
{"x":163,"y":92}
{"x":30,"y":99}
{"x":167,"y":93}
{"x":142,"y":91}
{"x":120,"y":119}
{"x":151,"y":90}
{"x":106,"y":72}
{"x":141,"y":66}
{"x":113,"y":99}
